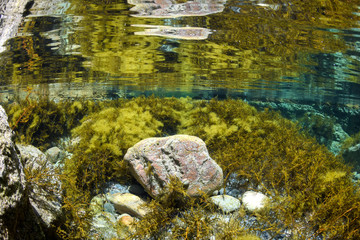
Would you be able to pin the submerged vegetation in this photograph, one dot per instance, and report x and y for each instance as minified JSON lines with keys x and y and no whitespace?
{"x":351,"y":150}
{"x":310,"y":190}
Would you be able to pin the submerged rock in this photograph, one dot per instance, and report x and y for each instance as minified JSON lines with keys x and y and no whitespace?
{"x":153,"y":161}
{"x":97,"y":204}
{"x":254,"y":201}
{"x":55,"y":154}
{"x":17,"y":217}
{"x":226,"y":203}
{"x":126,"y":219}
{"x":128,"y":203}
{"x":103,"y":227}
{"x":45,"y":192}
{"x":351,"y":156}
{"x":12,"y":179}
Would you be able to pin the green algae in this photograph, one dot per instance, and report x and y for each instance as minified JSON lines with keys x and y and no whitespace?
{"x":42,"y":122}
{"x":310,"y":189}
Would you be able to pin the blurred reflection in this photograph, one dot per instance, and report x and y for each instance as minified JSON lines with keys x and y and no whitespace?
{"x":173,"y":8}
{"x":189,"y":33}
{"x":265,"y":48}
{"x":10,"y":19}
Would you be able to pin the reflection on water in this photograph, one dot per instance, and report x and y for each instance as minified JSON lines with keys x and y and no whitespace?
{"x":295,"y":50}
{"x":174,"y":9}
{"x":189,"y":33}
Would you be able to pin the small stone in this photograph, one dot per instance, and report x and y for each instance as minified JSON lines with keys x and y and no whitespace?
{"x":54,"y":154}
{"x":115,"y":187}
{"x":126,"y":225}
{"x":128,"y":203}
{"x":226,"y":203}
{"x":126,"y":219}
{"x":108,"y":207}
{"x":254,"y":201}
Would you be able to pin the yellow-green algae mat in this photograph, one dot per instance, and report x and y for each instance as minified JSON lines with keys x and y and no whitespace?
{"x":310,"y":189}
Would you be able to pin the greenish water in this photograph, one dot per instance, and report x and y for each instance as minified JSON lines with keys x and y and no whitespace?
{"x":266,"y":50}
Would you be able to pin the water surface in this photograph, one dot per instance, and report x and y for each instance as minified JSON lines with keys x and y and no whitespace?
{"x":267,"y":50}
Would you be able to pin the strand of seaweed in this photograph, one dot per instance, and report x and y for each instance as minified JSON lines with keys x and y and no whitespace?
{"x":24,"y":117}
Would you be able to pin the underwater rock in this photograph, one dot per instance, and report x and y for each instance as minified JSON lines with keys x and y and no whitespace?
{"x":128,"y":203}
{"x":226,"y":203}
{"x":254,"y":201}
{"x":351,"y":156}
{"x":104,"y":221}
{"x":127,"y":226}
{"x":126,"y":219}
{"x":54,"y":154}
{"x":97,"y":204}
{"x":108,"y":207}
{"x":102,"y":226}
{"x":115,"y":187}
{"x":12,"y":178}
{"x":153,"y":161}
{"x":17,"y":217}
{"x":45,"y":193}
{"x":339,"y":136}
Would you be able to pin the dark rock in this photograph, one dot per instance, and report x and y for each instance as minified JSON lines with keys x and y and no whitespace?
{"x":17,"y":218}
{"x":351,"y":156}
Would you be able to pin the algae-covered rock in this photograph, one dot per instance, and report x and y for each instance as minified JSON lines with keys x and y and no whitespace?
{"x":97,"y":204}
{"x":12,"y":178}
{"x":17,"y":218}
{"x":226,"y":203}
{"x":351,"y":151}
{"x":153,"y":161}
{"x":103,"y":227}
{"x":44,"y":184}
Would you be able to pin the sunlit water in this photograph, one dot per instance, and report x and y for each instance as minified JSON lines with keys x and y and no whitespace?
{"x":302,"y":51}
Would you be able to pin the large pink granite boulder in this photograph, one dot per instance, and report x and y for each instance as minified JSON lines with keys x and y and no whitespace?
{"x":154,"y":160}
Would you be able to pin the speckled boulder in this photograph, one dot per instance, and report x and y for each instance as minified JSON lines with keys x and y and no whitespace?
{"x":12,"y":179}
{"x":18,"y":219}
{"x":152,"y":161}
{"x":46,"y":201}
